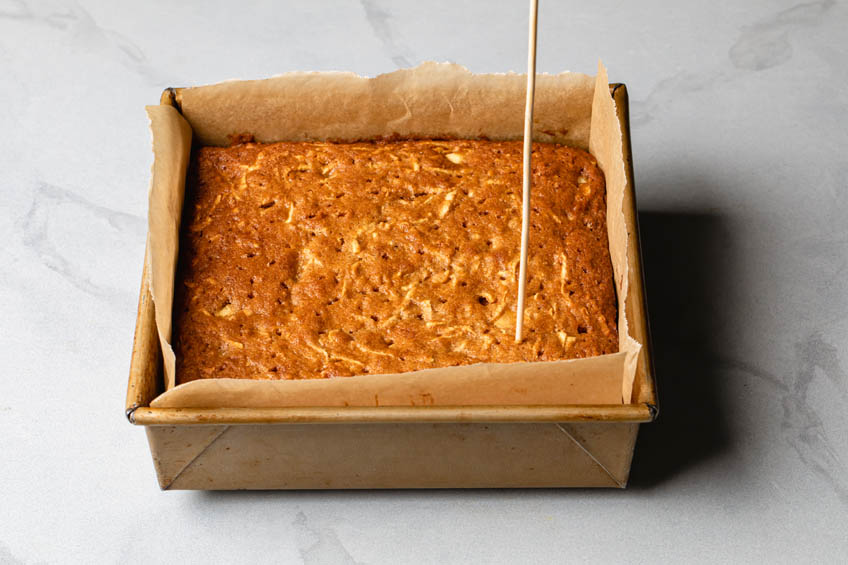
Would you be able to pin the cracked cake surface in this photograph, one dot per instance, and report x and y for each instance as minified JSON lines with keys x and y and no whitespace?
{"x":309,"y":260}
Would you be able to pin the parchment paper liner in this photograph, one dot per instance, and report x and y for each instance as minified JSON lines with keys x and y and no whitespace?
{"x":431,"y":100}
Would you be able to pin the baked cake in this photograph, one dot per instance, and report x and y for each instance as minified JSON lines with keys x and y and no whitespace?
{"x":309,"y":260}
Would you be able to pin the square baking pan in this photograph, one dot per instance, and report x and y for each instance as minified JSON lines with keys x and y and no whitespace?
{"x":397,"y":446}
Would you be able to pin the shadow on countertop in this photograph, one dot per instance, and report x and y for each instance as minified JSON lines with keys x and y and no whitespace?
{"x":686,"y":268}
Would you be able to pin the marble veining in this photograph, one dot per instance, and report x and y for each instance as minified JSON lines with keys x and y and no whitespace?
{"x":759,"y":46}
{"x":801,"y":422}
{"x":739,"y":133}
{"x":380,"y":21}
{"x":683,"y":83}
{"x":35,"y":231}
{"x":801,"y":425}
{"x":83,"y":30}
{"x":319,"y":545}
{"x":766,"y":43}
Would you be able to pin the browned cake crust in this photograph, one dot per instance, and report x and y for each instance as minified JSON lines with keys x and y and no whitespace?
{"x":303,"y":260}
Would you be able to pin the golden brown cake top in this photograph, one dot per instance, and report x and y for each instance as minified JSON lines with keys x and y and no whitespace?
{"x":303,"y":260}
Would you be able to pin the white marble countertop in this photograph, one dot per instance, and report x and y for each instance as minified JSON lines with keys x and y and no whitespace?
{"x":740,"y":133}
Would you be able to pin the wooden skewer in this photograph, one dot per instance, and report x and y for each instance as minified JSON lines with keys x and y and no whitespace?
{"x":528,"y":148}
